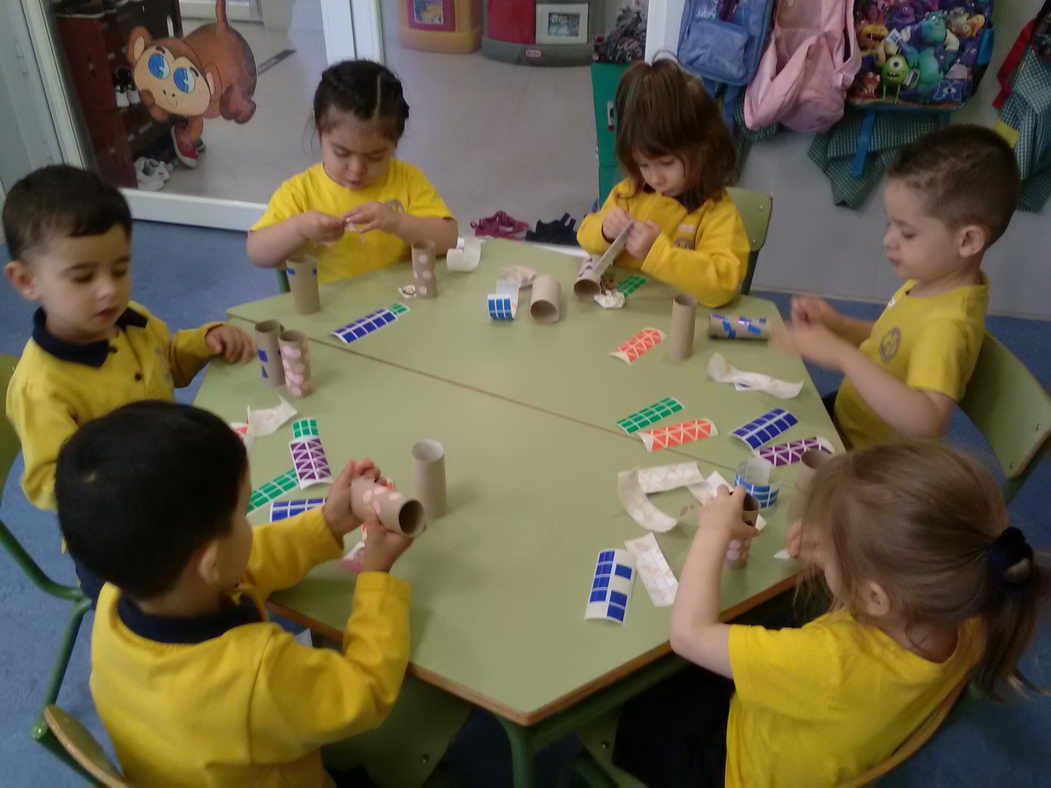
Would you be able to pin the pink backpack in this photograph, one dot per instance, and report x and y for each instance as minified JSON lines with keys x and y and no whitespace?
{"x":807,"y":68}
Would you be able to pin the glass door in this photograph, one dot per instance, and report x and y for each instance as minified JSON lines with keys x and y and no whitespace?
{"x":198,"y":109}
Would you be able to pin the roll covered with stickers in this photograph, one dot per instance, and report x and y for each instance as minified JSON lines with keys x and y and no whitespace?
{"x":725,"y":327}
{"x":269,"y":349}
{"x":423,"y":275}
{"x":395,"y":511}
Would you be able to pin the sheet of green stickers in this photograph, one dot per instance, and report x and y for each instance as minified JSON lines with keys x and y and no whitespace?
{"x":398,"y":309}
{"x":631,"y":284}
{"x":275,"y":488}
{"x":304,"y":428}
{"x":651,"y":414}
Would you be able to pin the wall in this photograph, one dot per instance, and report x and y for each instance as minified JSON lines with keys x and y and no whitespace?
{"x":815,"y":246}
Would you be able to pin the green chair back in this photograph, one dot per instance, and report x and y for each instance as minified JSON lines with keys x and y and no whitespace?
{"x":755,"y":211}
{"x":1011,"y":409}
{"x":82,"y":747}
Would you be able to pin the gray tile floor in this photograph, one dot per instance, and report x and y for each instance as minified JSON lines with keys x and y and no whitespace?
{"x":473,"y":123}
{"x":188,"y":276}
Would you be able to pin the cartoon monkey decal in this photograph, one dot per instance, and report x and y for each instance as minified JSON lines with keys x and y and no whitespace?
{"x":208,"y":74}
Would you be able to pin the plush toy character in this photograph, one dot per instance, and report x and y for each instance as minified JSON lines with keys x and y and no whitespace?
{"x":902,"y":16}
{"x":869,"y":83}
{"x":896,"y":73}
{"x":870,"y":37}
{"x":208,"y":74}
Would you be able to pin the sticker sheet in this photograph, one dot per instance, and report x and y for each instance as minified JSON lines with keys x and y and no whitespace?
{"x":638,"y":505}
{"x":305,"y":428}
{"x":765,"y":428}
{"x":721,"y":371}
{"x":651,"y":414}
{"x":503,"y":304}
{"x":631,"y":284}
{"x":611,"y":586}
{"x":281,"y":510}
{"x":642,"y":342}
{"x":662,"y":478}
{"x":373,"y":321}
{"x":311,"y":464}
{"x":677,"y":434}
{"x":275,"y":488}
{"x":757,"y":476}
{"x":652,"y":567}
{"x":791,"y":452}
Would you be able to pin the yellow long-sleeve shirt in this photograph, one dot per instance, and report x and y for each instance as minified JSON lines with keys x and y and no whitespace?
{"x":702,"y":252}
{"x":59,"y":385}
{"x":233,"y":700}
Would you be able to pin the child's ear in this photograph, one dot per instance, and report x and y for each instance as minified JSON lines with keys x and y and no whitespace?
{"x":207,"y":562}
{"x":971,"y":240}
{"x":875,"y":599}
{"x":21,"y":276}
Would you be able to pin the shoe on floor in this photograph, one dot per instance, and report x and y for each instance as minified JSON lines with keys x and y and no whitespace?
{"x":148,"y":177}
{"x":500,"y":225}
{"x":185,"y":149}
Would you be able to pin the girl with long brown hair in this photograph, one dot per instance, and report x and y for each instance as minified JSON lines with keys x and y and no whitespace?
{"x":678,"y":157}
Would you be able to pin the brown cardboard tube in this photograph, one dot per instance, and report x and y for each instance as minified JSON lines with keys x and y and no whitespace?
{"x":395,"y":510}
{"x":428,"y":476}
{"x":750,"y":516}
{"x":295,"y":358}
{"x":588,"y":282}
{"x":547,"y":299}
{"x":266,"y":334}
{"x":683,"y":317}
{"x":302,"y":280}
{"x":423,"y":274}
{"x":738,"y":328}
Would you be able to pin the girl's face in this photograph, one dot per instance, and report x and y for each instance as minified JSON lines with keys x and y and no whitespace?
{"x":355,"y":155}
{"x":664,"y":174}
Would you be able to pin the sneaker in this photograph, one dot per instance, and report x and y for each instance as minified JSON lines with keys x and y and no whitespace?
{"x":147,"y":179}
{"x":200,"y":144}
{"x":160,"y":168}
{"x":122,"y":96}
{"x":133,"y":95}
{"x":184,"y":149}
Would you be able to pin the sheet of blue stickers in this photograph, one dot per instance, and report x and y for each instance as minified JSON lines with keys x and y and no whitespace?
{"x":765,"y":428}
{"x":280,"y":510}
{"x":364,"y":326}
{"x":611,"y":586}
{"x":502,"y":307}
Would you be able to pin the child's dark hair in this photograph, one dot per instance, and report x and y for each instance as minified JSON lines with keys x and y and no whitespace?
{"x":60,"y":201}
{"x":368,"y":91}
{"x":929,"y":525}
{"x":663,"y":111}
{"x":140,"y":489}
{"x":966,"y":175}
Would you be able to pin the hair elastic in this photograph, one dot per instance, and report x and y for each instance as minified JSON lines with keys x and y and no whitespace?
{"x":1005,"y":551}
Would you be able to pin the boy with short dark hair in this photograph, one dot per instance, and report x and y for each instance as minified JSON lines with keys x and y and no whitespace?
{"x":948,"y":198}
{"x":192,"y":683}
{"x":92,"y":350}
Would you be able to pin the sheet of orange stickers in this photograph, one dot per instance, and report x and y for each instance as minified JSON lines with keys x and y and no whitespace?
{"x":676,"y":434}
{"x":642,"y":342}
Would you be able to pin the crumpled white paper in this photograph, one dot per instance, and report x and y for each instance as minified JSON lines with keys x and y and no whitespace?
{"x":720,"y":370}
{"x":518,"y":274}
{"x":611,"y":299}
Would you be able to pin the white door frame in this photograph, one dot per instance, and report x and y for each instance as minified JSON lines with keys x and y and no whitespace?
{"x":343,"y":39}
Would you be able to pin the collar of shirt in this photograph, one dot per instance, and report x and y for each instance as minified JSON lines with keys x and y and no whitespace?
{"x":90,"y":354}
{"x":166,"y":629}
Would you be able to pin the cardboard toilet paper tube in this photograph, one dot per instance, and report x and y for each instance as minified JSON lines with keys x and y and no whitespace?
{"x":683,"y":317}
{"x":805,"y":470}
{"x":295,"y":358}
{"x":547,"y":299}
{"x":737,"y":558}
{"x":588,"y":280}
{"x":302,"y":280}
{"x":266,"y":334}
{"x":396,"y":511}
{"x":428,"y":476}
{"x":423,"y":275}
{"x":732,"y":327}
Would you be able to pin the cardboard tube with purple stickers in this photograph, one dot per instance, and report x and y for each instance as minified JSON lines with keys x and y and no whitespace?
{"x":266,"y":340}
{"x":302,"y":280}
{"x":395,"y":510}
{"x":423,"y":273}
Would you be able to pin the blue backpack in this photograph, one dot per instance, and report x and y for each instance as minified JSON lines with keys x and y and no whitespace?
{"x":721,"y":41}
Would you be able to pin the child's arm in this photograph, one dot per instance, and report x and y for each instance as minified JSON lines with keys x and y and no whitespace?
{"x":712,"y":270}
{"x":696,"y":632}
{"x":411,"y":229}
{"x":811,"y":309}
{"x":43,"y":421}
{"x":190,"y":349}
{"x":283,"y":552}
{"x":912,"y":411}
{"x":598,"y":230}
{"x":269,"y":247}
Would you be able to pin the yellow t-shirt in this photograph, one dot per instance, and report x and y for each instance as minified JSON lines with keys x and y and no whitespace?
{"x":702,"y":252}
{"x":355,"y":253}
{"x":822,"y":704}
{"x":931,"y":342}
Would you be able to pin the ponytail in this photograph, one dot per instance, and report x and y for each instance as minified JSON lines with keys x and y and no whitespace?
{"x":368,"y":91}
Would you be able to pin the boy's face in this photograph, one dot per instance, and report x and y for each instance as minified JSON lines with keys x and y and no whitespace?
{"x":83,"y":283}
{"x":236,"y":546}
{"x":917,"y":245}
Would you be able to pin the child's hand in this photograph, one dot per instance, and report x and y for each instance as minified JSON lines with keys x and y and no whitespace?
{"x":807,"y":310}
{"x":726,"y":512}
{"x":614,"y":222}
{"x":641,"y":238}
{"x":323,"y":228}
{"x":231,"y":343}
{"x":794,"y":538}
{"x":382,"y":548}
{"x":806,"y":549}
{"x":373,"y":216}
{"x":813,"y":342}
{"x":338,"y":515}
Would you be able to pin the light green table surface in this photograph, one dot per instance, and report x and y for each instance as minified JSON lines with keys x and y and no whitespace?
{"x":500,"y":583}
{"x":564,"y":368}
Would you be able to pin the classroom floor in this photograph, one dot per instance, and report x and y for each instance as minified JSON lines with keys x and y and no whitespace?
{"x":471,"y":120}
{"x":187,"y":276}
